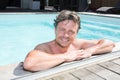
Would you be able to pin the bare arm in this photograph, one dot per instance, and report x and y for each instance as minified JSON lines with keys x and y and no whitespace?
{"x":38,"y":60}
{"x":102,"y":46}
{"x":41,"y":59}
{"x":97,"y":47}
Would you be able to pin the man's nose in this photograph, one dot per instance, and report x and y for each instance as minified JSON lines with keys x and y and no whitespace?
{"x":66,"y":35}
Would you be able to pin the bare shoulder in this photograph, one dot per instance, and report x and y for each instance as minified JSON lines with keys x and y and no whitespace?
{"x":78,"y":43}
{"x":33,"y":53}
{"x":43,"y":47}
{"x":40,"y":48}
{"x":83,"y":43}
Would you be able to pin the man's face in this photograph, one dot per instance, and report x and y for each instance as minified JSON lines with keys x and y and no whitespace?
{"x":66,"y":32}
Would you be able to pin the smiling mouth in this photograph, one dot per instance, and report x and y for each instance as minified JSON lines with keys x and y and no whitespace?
{"x":65,"y":40}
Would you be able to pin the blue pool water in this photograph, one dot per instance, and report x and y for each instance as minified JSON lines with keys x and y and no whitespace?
{"x":20,"y":33}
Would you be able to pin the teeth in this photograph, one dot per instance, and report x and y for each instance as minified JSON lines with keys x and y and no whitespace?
{"x":64,"y":40}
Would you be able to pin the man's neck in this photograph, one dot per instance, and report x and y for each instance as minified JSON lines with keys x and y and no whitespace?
{"x":60,"y":48}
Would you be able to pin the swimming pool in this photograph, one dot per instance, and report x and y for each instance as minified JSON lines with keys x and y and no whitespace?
{"x":20,"y":33}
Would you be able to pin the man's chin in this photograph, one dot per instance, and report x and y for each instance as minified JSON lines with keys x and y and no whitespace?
{"x":64,"y":45}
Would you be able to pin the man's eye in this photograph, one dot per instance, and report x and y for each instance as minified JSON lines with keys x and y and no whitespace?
{"x":71,"y":32}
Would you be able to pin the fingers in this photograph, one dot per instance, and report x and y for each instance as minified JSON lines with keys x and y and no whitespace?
{"x":77,"y":55}
{"x":83,"y":54}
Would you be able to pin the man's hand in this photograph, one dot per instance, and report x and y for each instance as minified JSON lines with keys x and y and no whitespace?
{"x":78,"y":54}
{"x":73,"y":55}
{"x":85,"y":54}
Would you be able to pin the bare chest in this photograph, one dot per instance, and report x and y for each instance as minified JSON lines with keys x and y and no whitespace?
{"x":55,"y":50}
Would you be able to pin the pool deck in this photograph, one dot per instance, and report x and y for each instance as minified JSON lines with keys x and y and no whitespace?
{"x":100,"y":67}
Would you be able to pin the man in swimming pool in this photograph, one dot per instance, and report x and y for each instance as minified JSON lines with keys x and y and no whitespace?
{"x":66,"y":47}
